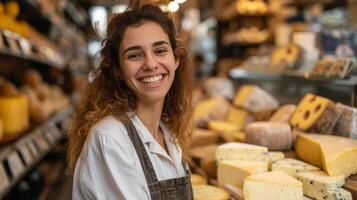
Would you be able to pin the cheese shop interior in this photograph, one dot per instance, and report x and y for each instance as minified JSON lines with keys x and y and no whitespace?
{"x":267,"y":73}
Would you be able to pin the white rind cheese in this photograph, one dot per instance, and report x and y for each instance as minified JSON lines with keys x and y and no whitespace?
{"x":272,"y":185}
{"x":241,"y":151}
{"x":292,"y":166}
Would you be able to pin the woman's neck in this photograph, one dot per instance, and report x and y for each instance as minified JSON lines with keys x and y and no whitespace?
{"x":150,"y":115}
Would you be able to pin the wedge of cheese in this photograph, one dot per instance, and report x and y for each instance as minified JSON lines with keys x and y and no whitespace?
{"x":237,"y":136}
{"x":241,"y":151}
{"x":206,"y":192}
{"x":223,"y":126}
{"x":319,"y":185}
{"x":233,"y":172}
{"x":272,"y":185}
{"x":292,"y":166}
{"x":336,"y":155}
{"x":283,"y":114}
{"x":211,"y":109}
{"x":198,"y":179}
{"x":239,"y":116}
{"x":275,"y":136}
{"x":254,"y":99}
{"x":275,"y":156}
{"x":315,"y":114}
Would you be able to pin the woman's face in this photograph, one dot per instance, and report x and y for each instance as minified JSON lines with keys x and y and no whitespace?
{"x":147,"y":61}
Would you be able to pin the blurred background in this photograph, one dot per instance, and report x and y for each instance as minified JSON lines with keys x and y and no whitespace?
{"x":49,"y":47}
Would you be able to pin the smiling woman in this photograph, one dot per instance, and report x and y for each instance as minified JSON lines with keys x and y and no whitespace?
{"x":128,"y":137}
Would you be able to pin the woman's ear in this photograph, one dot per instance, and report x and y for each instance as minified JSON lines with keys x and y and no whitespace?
{"x":177,"y":63}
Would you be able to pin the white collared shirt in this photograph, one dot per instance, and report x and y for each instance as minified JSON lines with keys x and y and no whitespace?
{"x":109,"y":168}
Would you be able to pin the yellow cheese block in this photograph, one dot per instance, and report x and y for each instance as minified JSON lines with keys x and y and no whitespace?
{"x":233,"y":172}
{"x":239,"y":117}
{"x":223,"y":126}
{"x":254,"y":99}
{"x":198,"y":179}
{"x":201,"y":137}
{"x":272,"y":185}
{"x":315,"y":114}
{"x":14,"y":114}
{"x":334,"y":154}
{"x":214,"y":108}
{"x":208,"y":192}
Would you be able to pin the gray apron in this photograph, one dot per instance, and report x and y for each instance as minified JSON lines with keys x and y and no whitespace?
{"x":176,"y":188}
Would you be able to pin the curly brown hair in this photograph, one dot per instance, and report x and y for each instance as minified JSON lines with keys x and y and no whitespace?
{"x":108,"y":94}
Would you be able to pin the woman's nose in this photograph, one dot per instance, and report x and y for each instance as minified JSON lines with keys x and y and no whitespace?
{"x":150,"y":62}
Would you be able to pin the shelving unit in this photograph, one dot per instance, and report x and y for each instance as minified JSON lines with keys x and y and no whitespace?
{"x":344,"y":90}
{"x":20,"y":156}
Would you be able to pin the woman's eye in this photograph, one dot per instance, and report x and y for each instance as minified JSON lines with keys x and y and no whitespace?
{"x":161,"y":51}
{"x":134,"y":56}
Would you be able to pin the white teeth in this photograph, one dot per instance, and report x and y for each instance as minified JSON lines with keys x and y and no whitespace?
{"x":152,"y":79}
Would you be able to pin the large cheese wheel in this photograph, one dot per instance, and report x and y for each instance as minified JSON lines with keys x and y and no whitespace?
{"x":275,"y":136}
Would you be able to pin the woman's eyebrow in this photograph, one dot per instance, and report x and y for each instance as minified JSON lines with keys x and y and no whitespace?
{"x":137,"y":47}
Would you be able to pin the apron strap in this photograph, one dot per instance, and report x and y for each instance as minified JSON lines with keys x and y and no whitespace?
{"x":142,"y":154}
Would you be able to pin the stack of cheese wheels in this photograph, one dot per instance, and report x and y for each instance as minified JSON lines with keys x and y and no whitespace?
{"x":13,"y":110}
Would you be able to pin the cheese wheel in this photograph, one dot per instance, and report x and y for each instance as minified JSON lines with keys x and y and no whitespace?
{"x":275,"y":136}
{"x":347,"y":123}
{"x":14,"y":114}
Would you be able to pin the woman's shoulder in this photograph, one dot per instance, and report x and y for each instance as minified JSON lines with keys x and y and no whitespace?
{"x":108,"y":127}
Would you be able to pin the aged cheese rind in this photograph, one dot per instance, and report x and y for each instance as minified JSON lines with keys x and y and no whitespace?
{"x":336,"y":155}
{"x":347,"y":123}
{"x":211,"y":109}
{"x":275,"y":136}
{"x":272,"y":185}
{"x":292,"y":166}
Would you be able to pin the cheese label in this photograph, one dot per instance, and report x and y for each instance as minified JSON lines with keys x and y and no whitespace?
{"x":25,"y":152}
{"x":4,"y":183}
{"x":15,"y":164}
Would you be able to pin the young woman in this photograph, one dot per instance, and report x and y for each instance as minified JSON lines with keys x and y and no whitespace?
{"x":129,"y":131}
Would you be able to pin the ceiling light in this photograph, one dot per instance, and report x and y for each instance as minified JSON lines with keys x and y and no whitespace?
{"x":173,"y":6}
